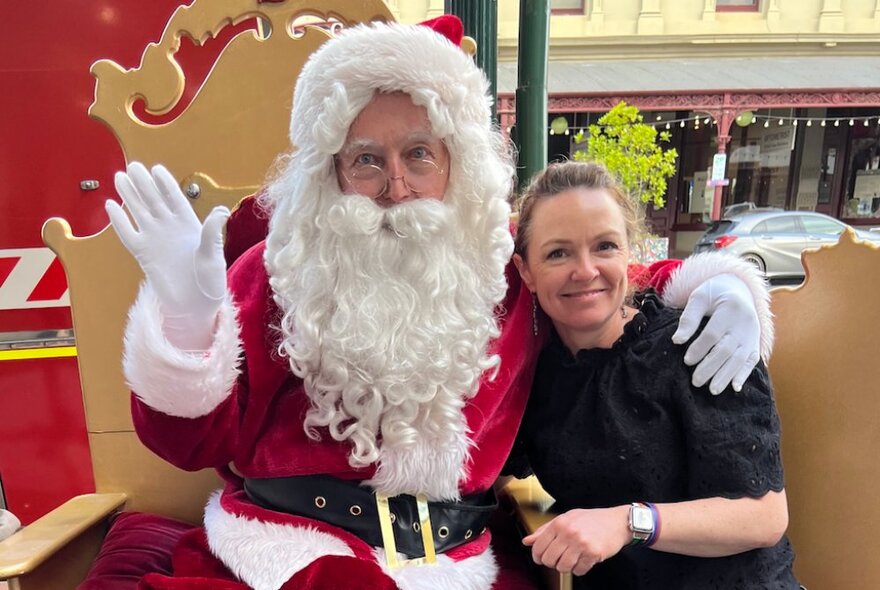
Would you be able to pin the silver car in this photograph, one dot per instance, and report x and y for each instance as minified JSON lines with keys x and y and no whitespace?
{"x":773,"y":239}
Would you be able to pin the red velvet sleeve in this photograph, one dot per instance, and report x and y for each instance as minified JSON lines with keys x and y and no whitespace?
{"x":654,"y":276}
{"x":247,"y":226}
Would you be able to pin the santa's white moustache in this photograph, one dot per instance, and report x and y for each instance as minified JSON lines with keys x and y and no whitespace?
{"x":419,"y":219}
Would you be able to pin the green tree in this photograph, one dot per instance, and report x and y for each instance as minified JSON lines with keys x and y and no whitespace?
{"x":630,"y":150}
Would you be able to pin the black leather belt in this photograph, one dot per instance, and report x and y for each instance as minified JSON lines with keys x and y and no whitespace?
{"x":351,"y":507}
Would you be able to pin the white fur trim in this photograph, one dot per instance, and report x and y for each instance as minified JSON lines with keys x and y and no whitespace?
{"x":432,"y":467}
{"x":474,"y":573}
{"x":699,"y":268}
{"x":341,"y":76}
{"x":265,"y":555}
{"x":175,"y":382}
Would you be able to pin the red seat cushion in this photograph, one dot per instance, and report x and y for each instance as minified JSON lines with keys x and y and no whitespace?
{"x":136,"y":544}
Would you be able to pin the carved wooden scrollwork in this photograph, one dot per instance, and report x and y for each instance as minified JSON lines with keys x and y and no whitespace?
{"x":227,"y":137}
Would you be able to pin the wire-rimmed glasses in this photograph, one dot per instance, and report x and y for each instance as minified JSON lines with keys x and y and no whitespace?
{"x":419,"y":177}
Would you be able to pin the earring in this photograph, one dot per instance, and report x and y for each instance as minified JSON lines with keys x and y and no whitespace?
{"x":534,"y":315}
{"x":623,"y":312}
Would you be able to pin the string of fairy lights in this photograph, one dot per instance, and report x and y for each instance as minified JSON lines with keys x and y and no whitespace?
{"x":559,"y":126}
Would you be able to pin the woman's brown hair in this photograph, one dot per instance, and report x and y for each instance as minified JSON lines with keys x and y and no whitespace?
{"x":563,"y":176}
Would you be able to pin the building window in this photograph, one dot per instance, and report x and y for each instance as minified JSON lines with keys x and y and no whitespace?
{"x":736,"y":5}
{"x":567,"y":6}
{"x":861,"y":190}
{"x":696,"y":144}
{"x":760,"y":156}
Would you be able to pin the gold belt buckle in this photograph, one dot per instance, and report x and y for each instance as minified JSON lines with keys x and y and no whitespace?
{"x":387,"y":529}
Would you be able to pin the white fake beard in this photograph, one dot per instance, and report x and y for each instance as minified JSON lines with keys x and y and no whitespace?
{"x":387,"y":318}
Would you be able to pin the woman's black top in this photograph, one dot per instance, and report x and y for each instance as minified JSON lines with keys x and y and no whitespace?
{"x":612,"y":426}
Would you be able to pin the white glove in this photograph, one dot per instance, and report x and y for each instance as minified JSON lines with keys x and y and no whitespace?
{"x":728,"y":348}
{"x":181,"y":258}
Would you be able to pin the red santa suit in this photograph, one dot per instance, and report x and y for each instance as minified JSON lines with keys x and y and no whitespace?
{"x":238,"y":408}
{"x":254,"y":424}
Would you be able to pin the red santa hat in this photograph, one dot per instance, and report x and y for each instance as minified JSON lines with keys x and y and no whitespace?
{"x":424,"y":61}
{"x":448,"y":25}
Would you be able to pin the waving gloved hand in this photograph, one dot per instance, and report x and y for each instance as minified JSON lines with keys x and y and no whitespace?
{"x":728,"y":348}
{"x":181,"y":258}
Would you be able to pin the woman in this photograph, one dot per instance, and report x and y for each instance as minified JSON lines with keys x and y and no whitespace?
{"x":659,"y":483}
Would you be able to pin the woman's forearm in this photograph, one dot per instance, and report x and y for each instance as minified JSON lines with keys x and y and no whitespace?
{"x":716,"y":527}
{"x":577,"y":540}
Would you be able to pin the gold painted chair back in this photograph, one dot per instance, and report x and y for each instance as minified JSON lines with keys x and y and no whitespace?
{"x":826,"y":374}
{"x":226,"y":138}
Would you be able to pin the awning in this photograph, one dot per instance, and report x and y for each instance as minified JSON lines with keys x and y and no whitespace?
{"x":691,"y":74}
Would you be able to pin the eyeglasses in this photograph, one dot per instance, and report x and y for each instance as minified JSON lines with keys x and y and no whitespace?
{"x":372,"y":181}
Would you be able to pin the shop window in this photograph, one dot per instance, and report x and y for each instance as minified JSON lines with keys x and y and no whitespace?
{"x":736,"y":5}
{"x":759,"y":160}
{"x":567,"y":6}
{"x":862,"y":190}
{"x":696,"y":148}
{"x":814,"y":181}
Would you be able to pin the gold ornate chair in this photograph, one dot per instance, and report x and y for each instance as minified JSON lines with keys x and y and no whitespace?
{"x":827,"y":380}
{"x":531,"y":505}
{"x":826,"y":377}
{"x":222,"y":158}
{"x":222,"y":143}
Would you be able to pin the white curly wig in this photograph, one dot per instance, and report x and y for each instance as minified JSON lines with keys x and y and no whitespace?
{"x":337,"y":82}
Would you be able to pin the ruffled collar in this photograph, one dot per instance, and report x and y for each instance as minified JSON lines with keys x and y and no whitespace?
{"x":649,"y":305}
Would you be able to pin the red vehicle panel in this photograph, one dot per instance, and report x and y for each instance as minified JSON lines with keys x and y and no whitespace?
{"x":48,"y":146}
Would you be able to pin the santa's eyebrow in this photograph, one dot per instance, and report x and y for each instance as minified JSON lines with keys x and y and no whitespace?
{"x":360,"y":144}
{"x":422,"y":137}
{"x":357,"y":145}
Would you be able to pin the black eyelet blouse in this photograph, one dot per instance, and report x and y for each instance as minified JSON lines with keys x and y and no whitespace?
{"x":612,"y":426}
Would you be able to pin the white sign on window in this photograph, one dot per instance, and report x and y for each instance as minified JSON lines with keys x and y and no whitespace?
{"x":776,"y":147}
{"x":746,"y":153}
{"x":719,"y":165}
{"x":867,"y":186}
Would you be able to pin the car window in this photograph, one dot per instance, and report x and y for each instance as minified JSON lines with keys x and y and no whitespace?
{"x":786,"y":224}
{"x":719,"y":227}
{"x":818,"y":225}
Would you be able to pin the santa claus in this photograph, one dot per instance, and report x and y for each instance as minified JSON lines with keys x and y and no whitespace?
{"x":359,"y":377}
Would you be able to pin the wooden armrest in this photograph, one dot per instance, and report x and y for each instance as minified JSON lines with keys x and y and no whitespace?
{"x":34,"y":544}
{"x":532,"y":503}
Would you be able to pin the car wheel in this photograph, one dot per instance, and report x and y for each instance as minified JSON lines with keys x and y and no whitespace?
{"x":756,"y":260}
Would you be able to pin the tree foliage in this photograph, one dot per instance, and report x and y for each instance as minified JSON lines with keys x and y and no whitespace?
{"x":630,"y":150}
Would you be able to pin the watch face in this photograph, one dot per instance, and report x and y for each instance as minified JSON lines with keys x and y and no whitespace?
{"x":642,"y":519}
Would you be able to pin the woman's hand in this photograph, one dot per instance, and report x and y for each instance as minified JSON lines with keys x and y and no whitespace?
{"x":579,"y":539}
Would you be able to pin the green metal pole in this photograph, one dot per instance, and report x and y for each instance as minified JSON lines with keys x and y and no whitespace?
{"x":531,"y":92}
{"x":480,"y":19}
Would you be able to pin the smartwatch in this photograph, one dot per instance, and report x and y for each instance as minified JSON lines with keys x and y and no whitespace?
{"x":641,"y":523}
